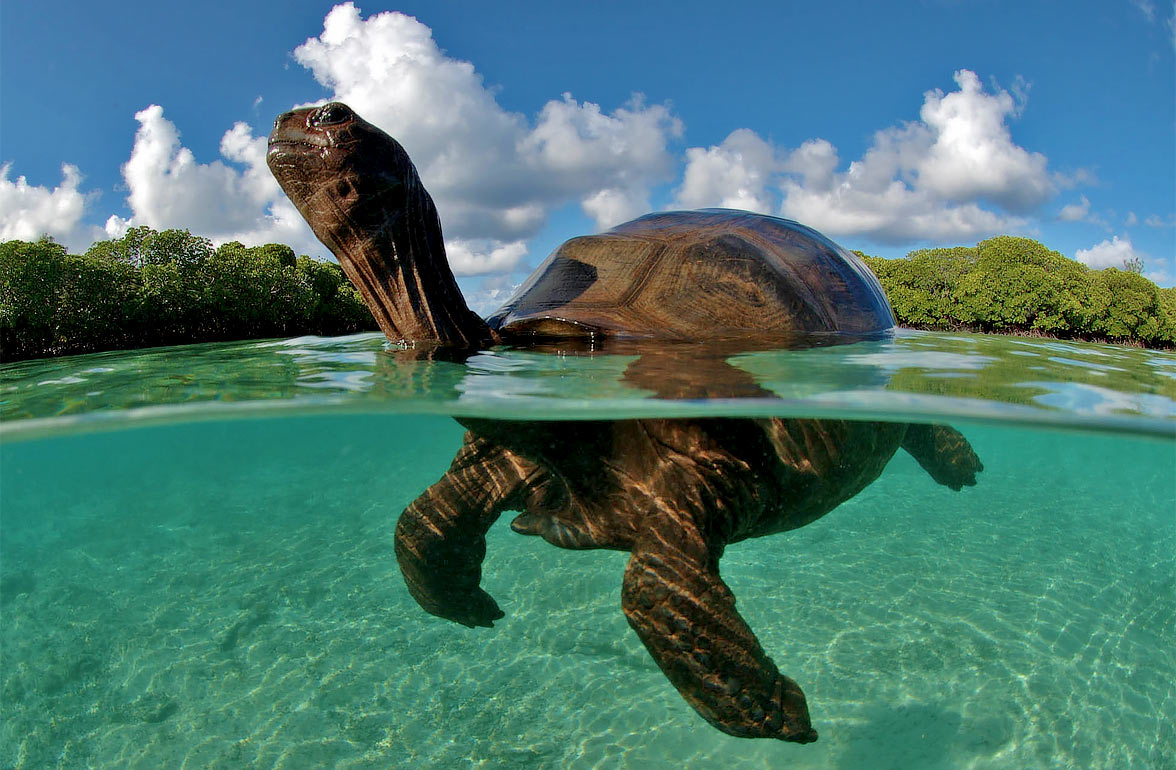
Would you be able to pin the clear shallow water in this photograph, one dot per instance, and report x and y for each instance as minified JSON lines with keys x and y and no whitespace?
{"x":215,"y":589}
{"x":913,"y":375}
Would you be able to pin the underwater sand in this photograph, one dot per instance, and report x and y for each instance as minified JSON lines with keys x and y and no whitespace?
{"x":197,"y":571}
{"x":224,"y":594}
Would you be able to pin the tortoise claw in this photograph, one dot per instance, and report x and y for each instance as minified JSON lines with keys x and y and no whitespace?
{"x":474,"y":610}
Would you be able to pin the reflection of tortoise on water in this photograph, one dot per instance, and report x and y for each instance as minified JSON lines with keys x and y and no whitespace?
{"x":672,"y":492}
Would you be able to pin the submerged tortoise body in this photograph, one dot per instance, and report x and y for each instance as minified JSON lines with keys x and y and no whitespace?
{"x":673,"y":493}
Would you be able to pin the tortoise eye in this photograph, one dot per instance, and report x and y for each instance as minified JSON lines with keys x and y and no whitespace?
{"x":331,"y":115}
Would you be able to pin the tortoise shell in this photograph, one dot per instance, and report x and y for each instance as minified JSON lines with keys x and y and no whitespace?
{"x":696,"y":275}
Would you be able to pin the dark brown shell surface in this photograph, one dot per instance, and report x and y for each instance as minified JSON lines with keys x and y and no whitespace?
{"x":696,"y":275}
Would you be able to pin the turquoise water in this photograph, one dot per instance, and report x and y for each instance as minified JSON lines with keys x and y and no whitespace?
{"x":196,"y":566}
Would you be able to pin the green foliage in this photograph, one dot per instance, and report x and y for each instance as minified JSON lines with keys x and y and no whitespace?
{"x":142,"y":246}
{"x":1125,"y":305}
{"x":1016,"y":285}
{"x":1019,"y":285}
{"x":923,"y":288}
{"x":1167,"y":302}
{"x":338,"y":308}
{"x":31,"y":278}
{"x":160,"y":288}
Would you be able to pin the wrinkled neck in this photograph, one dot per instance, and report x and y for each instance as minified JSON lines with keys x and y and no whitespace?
{"x":398,"y":265}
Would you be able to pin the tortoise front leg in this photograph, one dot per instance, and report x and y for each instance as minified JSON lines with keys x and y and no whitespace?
{"x":944,"y":453}
{"x":441,"y":537}
{"x":685,"y":615}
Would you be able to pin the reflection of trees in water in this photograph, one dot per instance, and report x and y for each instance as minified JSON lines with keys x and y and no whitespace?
{"x":362,"y":370}
{"x":1018,"y":371}
{"x":212,"y":372}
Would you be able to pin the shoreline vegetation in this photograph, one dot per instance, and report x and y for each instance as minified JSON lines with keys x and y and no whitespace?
{"x":153,"y":288}
{"x":1012,"y":285}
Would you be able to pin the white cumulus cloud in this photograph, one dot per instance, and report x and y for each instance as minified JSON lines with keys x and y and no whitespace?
{"x":971,"y":154}
{"x":493,"y":174}
{"x":169,"y":188}
{"x":1110,"y":253}
{"x":614,"y":205}
{"x":954,"y":174}
{"x":1075,"y":212}
{"x":734,"y":174}
{"x":481,"y":256}
{"x":29,"y":211}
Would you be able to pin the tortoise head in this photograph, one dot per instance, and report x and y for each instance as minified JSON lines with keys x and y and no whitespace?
{"x":345,"y":176}
{"x":361,"y":195}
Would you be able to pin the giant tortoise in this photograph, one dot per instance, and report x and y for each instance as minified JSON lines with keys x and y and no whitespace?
{"x":672,"y":492}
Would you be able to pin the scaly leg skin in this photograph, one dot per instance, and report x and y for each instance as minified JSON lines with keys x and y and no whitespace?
{"x":944,"y":453}
{"x":685,"y":615}
{"x":441,"y":536}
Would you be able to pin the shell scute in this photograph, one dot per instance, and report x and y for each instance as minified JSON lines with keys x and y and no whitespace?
{"x":701,"y":274}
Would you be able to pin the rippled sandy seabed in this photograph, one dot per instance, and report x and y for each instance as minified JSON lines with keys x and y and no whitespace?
{"x":225,"y":595}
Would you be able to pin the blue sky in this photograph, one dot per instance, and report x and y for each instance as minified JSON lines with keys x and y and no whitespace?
{"x":888,"y":126}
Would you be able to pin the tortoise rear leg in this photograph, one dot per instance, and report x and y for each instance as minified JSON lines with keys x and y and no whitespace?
{"x":944,"y":453}
{"x":685,"y":615}
{"x":441,"y":537}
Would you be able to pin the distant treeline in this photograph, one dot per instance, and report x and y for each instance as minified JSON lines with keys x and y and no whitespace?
{"x":166,"y":288}
{"x":154,"y":288}
{"x":1009,"y":285}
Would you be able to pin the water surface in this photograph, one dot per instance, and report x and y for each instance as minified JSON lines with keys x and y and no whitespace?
{"x":196,"y":566}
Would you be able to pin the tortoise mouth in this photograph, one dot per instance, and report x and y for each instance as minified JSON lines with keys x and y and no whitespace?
{"x":553,"y":327}
{"x":307,"y":142}
{"x":280,"y":146}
